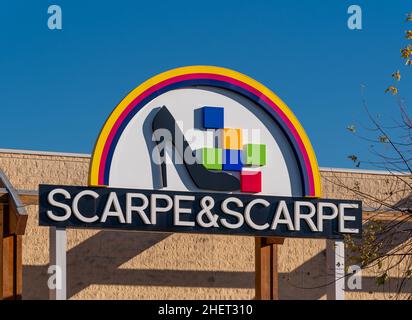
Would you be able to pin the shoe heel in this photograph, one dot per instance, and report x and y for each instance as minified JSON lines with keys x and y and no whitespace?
{"x":164,"y":174}
{"x":161,"y":165}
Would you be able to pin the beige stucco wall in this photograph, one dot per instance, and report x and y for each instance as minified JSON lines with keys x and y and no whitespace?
{"x":132,"y":265}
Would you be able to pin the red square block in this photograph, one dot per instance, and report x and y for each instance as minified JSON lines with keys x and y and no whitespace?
{"x":251,"y":181}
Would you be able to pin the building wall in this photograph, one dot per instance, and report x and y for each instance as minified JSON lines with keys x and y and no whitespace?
{"x":133,"y":265}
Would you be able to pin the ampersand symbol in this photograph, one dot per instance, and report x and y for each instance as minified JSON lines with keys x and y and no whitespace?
{"x":207,"y":203}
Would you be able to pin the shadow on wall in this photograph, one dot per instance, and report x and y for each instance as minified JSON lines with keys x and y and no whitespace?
{"x":86,"y":266}
{"x":308,"y":281}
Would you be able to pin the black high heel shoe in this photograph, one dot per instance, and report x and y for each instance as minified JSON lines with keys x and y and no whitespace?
{"x":202,"y":177}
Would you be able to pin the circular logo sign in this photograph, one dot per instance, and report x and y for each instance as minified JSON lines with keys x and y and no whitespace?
{"x":204,"y":128}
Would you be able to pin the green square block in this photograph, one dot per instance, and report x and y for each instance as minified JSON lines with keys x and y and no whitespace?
{"x":255,"y":154}
{"x":212,"y":158}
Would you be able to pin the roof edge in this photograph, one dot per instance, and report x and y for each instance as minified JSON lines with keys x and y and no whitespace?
{"x":86,"y":155}
{"x":45,"y":153}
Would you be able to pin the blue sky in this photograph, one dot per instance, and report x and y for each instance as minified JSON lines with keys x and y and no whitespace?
{"x":58,"y":87}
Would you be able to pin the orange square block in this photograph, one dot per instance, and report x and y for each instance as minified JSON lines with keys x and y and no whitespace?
{"x":232,"y":138}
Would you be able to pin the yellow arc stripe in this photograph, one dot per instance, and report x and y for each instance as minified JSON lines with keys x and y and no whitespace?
{"x":104,"y":133}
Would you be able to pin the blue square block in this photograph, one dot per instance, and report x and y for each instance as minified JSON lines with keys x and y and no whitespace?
{"x":232,"y":160}
{"x":213,"y":117}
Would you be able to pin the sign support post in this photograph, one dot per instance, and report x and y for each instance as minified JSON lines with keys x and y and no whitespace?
{"x":335,"y":266}
{"x":58,"y":241}
{"x":266,"y":268}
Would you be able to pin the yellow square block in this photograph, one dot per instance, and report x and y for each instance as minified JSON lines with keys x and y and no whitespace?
{"x":232,"y":138}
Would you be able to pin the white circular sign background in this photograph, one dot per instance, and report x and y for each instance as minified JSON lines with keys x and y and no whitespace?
{"x":132,"y":165}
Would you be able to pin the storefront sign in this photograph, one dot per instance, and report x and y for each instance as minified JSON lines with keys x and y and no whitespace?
{"x":202,"y":150}
{"x":195,"y":212}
